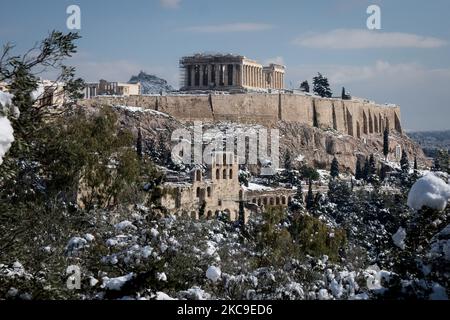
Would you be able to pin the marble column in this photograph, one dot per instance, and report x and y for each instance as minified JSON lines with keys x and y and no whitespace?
{"x":246,"y":75}
{"x":225,"y":75}
{"x":235,"y":80}
{"x":217,"y":75}
{"x":200,"y":70}
{"x":260,"y":77}
{"x":257,"y":77}
{"x":192,"y":76}
{"x":209,"y":67}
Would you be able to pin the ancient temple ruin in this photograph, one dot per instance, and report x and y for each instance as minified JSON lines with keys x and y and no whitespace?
{"x":229,"y":72}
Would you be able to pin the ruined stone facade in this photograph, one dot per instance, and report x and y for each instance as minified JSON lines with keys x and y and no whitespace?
{"x":218,"y":191}
{"x":229,"y":72}
{"x":104,"y":87}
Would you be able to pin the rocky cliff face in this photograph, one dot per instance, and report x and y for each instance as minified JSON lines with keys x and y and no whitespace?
{"x":308,"y":145}
{"x":318,"y":147}
{"x":151,"y":84}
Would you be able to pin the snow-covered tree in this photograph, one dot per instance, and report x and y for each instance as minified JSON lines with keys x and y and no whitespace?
{"x":304,"y":86}
{"x":321,"y":86}
{"x":386,"y":143}
{"x":334,"y":171}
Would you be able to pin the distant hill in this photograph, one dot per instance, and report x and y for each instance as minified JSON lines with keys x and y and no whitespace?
{"x":151,"y":84}
{"x":431,"y":141}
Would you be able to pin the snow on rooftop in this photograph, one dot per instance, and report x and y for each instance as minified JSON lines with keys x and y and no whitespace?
{"x":256,"y":187}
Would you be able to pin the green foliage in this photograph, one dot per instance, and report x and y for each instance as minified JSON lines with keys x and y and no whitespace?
{"x":309,"y":173}
{"x":287,"y":160}
{"x":275,"y":241}
{"x":404,"y":162}
{"x":344,"y":95}
{"x":386,"y":142}
{"x":315,"y":238}
{"x":304,"y":86}
{"x":310,"y":197}
{"x":359,"y":173}
{"x":139,"y":144}
{"x":442,"y":161}
{"x":93,"y":156}
{"x":339,"y":192}
{"x":334,"y":171}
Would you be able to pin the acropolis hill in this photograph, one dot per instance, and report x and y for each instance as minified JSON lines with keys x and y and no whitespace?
{"x":227,"y":87}
{"x":234,"y":89}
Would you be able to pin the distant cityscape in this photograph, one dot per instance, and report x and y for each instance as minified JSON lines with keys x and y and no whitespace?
{"x":431,"y":141}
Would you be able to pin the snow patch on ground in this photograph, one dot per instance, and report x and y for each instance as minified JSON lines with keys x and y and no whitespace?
{"x":143,"y":110}
{"x":257,"y":187}
{"x":399,"y":238}
{"x":116,"y":283}
{"x":163,"y":296}
{"x":125,"y":225}
{"x":213,"y":273}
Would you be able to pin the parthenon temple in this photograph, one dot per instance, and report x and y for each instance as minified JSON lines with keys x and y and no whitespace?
{"x":229,"y":72}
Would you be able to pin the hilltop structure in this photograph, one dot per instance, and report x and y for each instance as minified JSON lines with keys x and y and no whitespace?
{"x":106,"y":88}
{"x":229,"y":72}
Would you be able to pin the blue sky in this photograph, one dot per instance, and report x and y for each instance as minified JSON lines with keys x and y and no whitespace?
{"x":407,"y":62}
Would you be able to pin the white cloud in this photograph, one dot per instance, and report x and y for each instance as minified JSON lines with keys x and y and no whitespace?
{"x":402,"y":73}
{"x":231,"y":27}
{"x":421,"y":92}
{"x":276,"y":60}
{"x":365,"y":39}
{"x":170,"y":4}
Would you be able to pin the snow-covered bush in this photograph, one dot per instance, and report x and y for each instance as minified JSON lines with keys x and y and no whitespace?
{"x":429,"y":191}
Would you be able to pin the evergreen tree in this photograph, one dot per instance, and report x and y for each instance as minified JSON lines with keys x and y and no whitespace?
{"x":415,"y":163}
{"x":359,"y":170}
{"x":299,"y":193}
{"x":437,"y":164}
{"x":139,"y":144}
{"x":404,"y":162}
{"x":366,"y":170}
{"x":372,"y":165}
{"x":287,"y":160}
{"x":386,"y":143}
{"x":304,"y":86}
{"x":444,"y":161}
{"x":345,"y":95}
{"x":321,"y":86}
{"x":310,"y":197}
{"x":298,"y":202}
{"x":334,"y":171}
{"x":383,"y":172}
